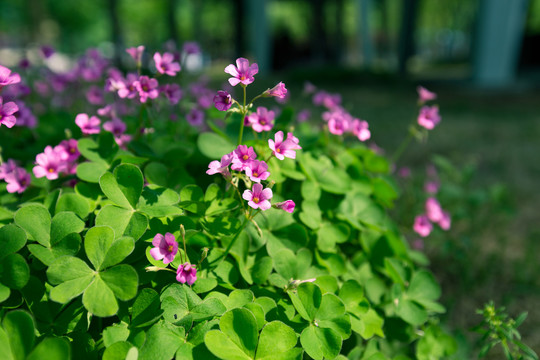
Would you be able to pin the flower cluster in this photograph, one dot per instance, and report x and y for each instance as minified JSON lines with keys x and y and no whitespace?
{"x":17,"y":178}
{"x":429,"y":115}
{"x":434,"y":214}
{"x":165,"y":248}
{"x":55,"y":161}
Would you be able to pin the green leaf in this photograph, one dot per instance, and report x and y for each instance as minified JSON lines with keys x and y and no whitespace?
{"x":124,"y":222}
{"x":99,"y":299}
{"x":36,"y":220}
{"x":5,"y":348}
{"x":277,"y":341}
{"x":97,"y":243}
{"x":70,"y":289}
{"x":411,"y":312}
{"x":123,"y":281}
{"x":307,"y":300}
{"x":115,"y":333}
{"x":352,"y":294}
{"x":237,"y":338}
{"x":118,"y":251}
{"x":91,"y":171}
{"x":156,"y":173}
{"x":20,"y":331}
{"x":12,"y":239}
{"x":14,"y":271}
{"x":368,"y":324}
{"x":159,"y":202}
{"x":262,"y":269}
{"x":64,"y":223}
{"x":67,"y":268}
{"x":146,"y":308}
{"x":285,"y":263}
{"x":4,"y":294}
{"x":51,"y":349}
{"x":320,"y":343}
{"x":204,"y":285}
{"x":75,"y":203}
{"x":330,"y":234}
{"x":161,"y":342}
{"x":124,"y":187}
{"x":214,"y":146}
{"x":423,"y":286}
{"x":119,"y":351}
{"x":103,"y":151}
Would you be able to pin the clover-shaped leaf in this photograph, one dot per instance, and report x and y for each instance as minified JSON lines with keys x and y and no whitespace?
{"x":14,"y":271}
{"x":124,"y":187}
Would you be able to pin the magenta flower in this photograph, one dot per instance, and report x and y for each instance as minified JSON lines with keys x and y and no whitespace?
{"x":47,"y":51}
{"x":257,"y":170}
{"x":221,"y":167}
{"x":404,"y":172}
{"x":434,"y":211}
{"x":195,"y":117}
{"x":284,"y":148}
{"x":172,"y":92}
{"x":68,"y":150}
{"x":17,"y":180}
{"x":165,"y":248}
{"x":88,"y":125}
{"x":223,"y":100}
{"x":94,"y":95}
{"x":262,"y":120}
{"x":258,"y":198}
{"x":126,"y":88}
{"x":147,"y":88}
{"x":136,"y":53}
{"x":431,"y":187}
{"x":242,"y":72}
{"x":303,"y":115}
{"x":49,"y":164}
{"x":186,"y":273}
{"x":242,"y":156}
{"x":425,"y":95}
{"x":115,"y":126}
{"x":445,"y":221}
{"x":278,"y":91}
{"x":191,"y":48}
{"x":6,"y":113}
{"x":7,"y":78}
{"x":330,"y":101}
{"x":7,"y":167}
{"x":429,"y":117}
{"x":165,"y":64}
{"x":422,"y":226}
{"x":25,"y":117}
{"x":309,"y":88}
{"x":287,"y":205}
{"x":360,"y":129}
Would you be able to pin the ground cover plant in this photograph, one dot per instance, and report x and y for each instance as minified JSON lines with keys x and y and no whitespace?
{"x":170,"y":220}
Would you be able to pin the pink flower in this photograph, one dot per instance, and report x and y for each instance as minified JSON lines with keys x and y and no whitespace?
{"x":136,"y":53}
{"x":88,"y":125}
{"x":433,"y":210}
{"x":6,"y":113}
{"x":309,"y":88}
{"x":258,"y":198}
{"x":115,"y":126}
{"x":284,"y":148}
{"x":7,"y":78}
{"x":165,"y":64}
{"x":278,"y":91}
{"x":68,"y":150}
{"x":94,"y":95}
{"x":186,"y":273}
{"x":221,"y":167}
{"x":287,"y":205}
{"x":429,"y":117}
{"x":262,"y":120}
{"x":425,"y":95}
{"x":223,"y":100}
{"x":422,"y":226}
{"x":360,"y":129}
{"x":445,"y":221}
{"x":126,"y":88}
{"x":303,"y":115}
{"x":147,"y":88}
{"x":404,"y":172}
{"x":191,"y":47}
{"x":17,"y":180}
{"x":257,"y":170}
{"x":165,"y":248}
{"x":431,"y":187}
{"x":242,"y":156}
{"x":195,"y":117}
{"x":172,"y":92}
{"x":242,"y":72}
{"x":327,"y":100}
{"x":49,"y":164}
{"x":25,"y":117}
{"x":7,"y":167}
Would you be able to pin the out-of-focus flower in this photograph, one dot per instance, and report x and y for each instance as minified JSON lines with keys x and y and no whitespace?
{"x":25,"y":117}
{"x":278,"y":91}
{"x":445,"y":221}
{"x":303,"y":115}
{"x":7,"y":167}
{"x":68,"y":150}
{"x":7,"y":78}
{"x":195,"y":117}
{"x":88,"y":125}
{"x":165,"y":64}
{"x":136,"y":53}
{"x":404,"y":172}
{"x":191,"y":48}
{"x":431,"y":187}
{"x":429,"y":117}
{"x":287,"y":205}
{"x":422,"y":226}
{"x":147,"y":88}
{"x":221,"y":167}
{"x":6,"y":113}
{"x":94,"y":95}
{"x":17,"y":180}
{"x":262,"y":120}
{"x":223,"y":100}
{"x":49,"y":164}
{"x":425,"y":95}
{"x":47,"y":51}
{"x":258,"y":198}
{"x":242,"y":72}
{"x":173,"y":92}
{"x":360,"y":129}
{"x":165,"y":247}
{"x":434,"y":211}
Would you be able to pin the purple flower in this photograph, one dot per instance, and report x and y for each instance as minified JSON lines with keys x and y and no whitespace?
{"x":242,"y":72}
{"x":278,"y":91}
{"x":88,"y":125}
{"x":434,"y":211}
{"x":425,"y":95}
{"x":186,"y":273}
{"x":7,"y":167}
{"x":431,"y":187}
{"x":221,"y":167}
{"x":223,"y":100}
{"x":115,"y":126}
{"x":309,"y":88}
{"x":172,"y":92}
{"x":360,"y":129}
{"x":429,"y":117}
{"x":257,"y":197}
{"x":7,"y":78}
{"x":126,"y":88}
{"x":404,"y":172}
{"x":6,"y":113}
{"x":94,"y":95}
{"x":191,"y":48}
{"x":49,"y":164}
{"x":147,"y":88}
{"x":327,"y":100}
{"x":165,"y":248}
{"x":422,"y":226}
{"x":68,"y":150}
{"x":25,"y":117}
{"x":195,"y":117}
{"x":284,"y":148}
{"x":17,"y":180}
{"x":242,"y":156}
{"x":257,"y":170}
{"x":47,"y":51}
{"x":262,"y":120}
{"x":136,"y":53}
{"x":165,"y":64}
{"x":287,"y":205}
{"x":445,"y":221}
{"x":303,"y":115}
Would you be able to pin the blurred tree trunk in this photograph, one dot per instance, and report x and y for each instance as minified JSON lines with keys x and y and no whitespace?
{"x":239,"y":26}
{"x":116,"y":33}
{"x":318,"y":33}
{"x":171,"y":21}
{"x":406,"y":46}
{"x":338,"y":43}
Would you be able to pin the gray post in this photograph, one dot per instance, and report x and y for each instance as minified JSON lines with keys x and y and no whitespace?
{"x":498,"y":42}
{"x":258,"y":34}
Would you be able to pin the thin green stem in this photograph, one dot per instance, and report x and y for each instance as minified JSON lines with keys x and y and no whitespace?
{"x":244,"y":112}
{"x":404,"y":144}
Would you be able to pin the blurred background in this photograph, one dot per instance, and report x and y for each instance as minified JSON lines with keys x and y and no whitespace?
{"x":482,"y":58}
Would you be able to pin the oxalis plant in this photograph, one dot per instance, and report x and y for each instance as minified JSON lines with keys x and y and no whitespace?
{"x":155,"y":235}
